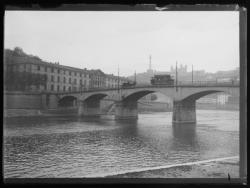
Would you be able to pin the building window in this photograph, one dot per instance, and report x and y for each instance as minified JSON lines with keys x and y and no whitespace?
{"x":80,"y":74}
{"x":63,"y":88}
{"x":45,"y":87}
{"x":69,"y":88}
{"x":52,"y":69}
{"x":75,"y":73}
{"x":70,"y":80}
{"x":80,"y":82}
{"x":75,"y":81}
{"x":69,"y":73}
{"x":52,"y":87}
{"x":38,"y":67}
{"x":58,"y":78}
{"x":64,"y":72}
{"x":58,"y":71}
{"x":45,"y":69}
{"x":58,"y":87}
{"x":64,"y":80}
{"x":52,"y":78}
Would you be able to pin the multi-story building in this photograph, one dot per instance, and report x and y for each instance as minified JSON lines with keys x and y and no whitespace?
{"x":31,"y":70}
{"x":58,"y":77}
{"x":112,"y":81}
{"x":97,"y":79}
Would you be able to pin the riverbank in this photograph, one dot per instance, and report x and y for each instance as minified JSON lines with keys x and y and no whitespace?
{"x":212,"y":169}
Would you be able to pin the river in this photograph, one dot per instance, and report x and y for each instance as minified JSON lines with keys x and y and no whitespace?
{"x":73,"y":147}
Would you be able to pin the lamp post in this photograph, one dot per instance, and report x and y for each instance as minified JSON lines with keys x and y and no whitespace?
{"x":118,"y":86}
{"x":135,"y":77}
{"x":176,"y":77}
{"x":192,"y":75}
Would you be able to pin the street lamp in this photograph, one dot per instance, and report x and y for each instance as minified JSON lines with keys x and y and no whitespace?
{"x":176,"y":77}
{"x":118,"y":87}
{"x":192,"y":74}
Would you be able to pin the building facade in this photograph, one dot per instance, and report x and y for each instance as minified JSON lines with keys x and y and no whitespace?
{"x":112,"y":81}
{"x":38,"y":75}
{"x":97,"y":79}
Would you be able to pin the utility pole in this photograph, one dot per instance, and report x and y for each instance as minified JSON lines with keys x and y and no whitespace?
{"x":150,"y":66}
{"x":118,"y":87}
{"x":192,"y":74}
{"x":135,"y":77}
{"x":176,"y":76}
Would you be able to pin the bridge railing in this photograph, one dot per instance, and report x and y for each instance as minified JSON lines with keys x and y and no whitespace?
{"x":179,"y":84}
{"x":208,"y":83}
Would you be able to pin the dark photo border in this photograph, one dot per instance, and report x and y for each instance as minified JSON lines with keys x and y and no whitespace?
{"x":242,"y":180}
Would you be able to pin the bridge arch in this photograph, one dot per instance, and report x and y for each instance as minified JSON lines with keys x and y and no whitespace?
{"x":94,"y":97}
{"x":90,"y":104}
{"x":197,"y":95}
{"x":67,"y":101}
{"x":135,"y":96}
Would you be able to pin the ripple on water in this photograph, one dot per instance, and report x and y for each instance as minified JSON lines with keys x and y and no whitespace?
{"x":78,"y":148}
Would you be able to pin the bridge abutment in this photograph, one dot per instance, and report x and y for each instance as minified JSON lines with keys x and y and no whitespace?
{"x":126,"y":110}
{"x":184,"y":112}
{"x":89,"y":108}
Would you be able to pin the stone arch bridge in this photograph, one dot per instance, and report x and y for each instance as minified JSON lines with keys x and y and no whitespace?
{"x":184,"y":99}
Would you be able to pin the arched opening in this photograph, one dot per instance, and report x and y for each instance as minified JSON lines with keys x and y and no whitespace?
{"x":95,"y":97}
{"x":199,"y":95}
{"x":137,"y":95}
{"x":94,"y":100}
{"x":218,"y":100}
{"x":67,"y":102}
{"x":90,"y":106}
{"x":150,"y":101}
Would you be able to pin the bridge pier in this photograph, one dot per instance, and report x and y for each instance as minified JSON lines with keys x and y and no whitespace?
{"x":52,"y":101}
{"x":89,"y":108}
{"x":184,"y":111}
{"x":126,"y":110}
{"x":44,"y":101}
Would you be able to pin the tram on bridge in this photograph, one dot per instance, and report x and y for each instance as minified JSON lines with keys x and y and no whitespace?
{"x":164,"y":79}
{"x":128,"y":84}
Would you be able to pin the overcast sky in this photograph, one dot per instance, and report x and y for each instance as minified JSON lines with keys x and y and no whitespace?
{"x":103,"y":40}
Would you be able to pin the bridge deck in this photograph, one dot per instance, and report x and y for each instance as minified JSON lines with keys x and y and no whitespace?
{"x":155,"y":86}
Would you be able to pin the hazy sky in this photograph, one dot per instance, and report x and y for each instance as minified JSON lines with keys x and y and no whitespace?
{"x":101,"y":40}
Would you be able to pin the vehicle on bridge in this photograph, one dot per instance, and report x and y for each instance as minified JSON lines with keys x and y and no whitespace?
{"x":163,"y":79}
{"x":128,"y":84}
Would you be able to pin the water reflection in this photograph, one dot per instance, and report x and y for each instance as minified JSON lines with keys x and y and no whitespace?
{"x":185,"y":133}
{"x":76,"y":147}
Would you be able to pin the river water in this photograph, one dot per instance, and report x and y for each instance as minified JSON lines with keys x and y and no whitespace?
{"x":48,"y":147}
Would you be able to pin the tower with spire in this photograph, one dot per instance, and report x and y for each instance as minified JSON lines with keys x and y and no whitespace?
{"x":150,"y":70}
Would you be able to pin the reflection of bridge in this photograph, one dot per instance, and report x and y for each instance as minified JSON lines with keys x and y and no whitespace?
{"x":125,"y":100}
